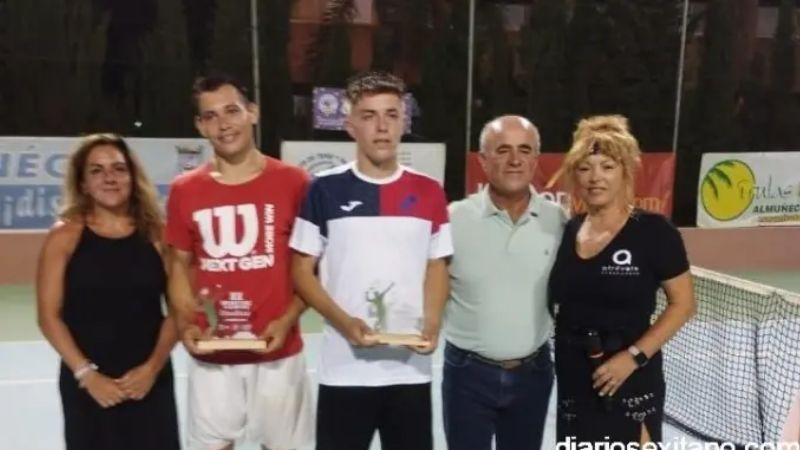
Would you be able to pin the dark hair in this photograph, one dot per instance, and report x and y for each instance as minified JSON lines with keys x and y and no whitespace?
{"x":214,"y":81}
{"x":372,"y":83}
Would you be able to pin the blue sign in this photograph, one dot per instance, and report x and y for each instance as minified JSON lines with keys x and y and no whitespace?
{"x":32,"y":172}
{"x":32,"y":165}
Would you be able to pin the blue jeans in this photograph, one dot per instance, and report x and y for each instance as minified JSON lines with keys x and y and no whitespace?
{"x":481,"y":400}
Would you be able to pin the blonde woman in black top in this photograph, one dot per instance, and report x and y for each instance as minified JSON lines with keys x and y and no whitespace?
{"x":611,"y":261}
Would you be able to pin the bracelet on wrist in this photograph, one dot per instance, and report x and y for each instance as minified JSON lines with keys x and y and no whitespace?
{"x":81,"y":372}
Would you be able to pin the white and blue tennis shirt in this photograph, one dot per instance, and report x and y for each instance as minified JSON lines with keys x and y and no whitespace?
{"x":374,"y":238}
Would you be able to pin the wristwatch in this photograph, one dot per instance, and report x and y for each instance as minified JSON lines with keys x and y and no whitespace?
{"x":638,"y":356}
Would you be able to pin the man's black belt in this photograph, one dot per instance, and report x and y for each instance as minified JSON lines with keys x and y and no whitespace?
{"x":507,"y":364}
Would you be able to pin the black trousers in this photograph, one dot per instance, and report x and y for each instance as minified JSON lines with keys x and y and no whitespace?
{"x":348,"y":416}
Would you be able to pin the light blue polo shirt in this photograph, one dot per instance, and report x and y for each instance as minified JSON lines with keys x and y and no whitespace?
{"x":498,"y":276}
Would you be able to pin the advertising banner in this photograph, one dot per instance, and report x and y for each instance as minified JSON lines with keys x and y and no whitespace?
{"x":749,"y":190}
{"x":315,"y":156}
{"x":653,"y":181}
{"x":32,"y":171}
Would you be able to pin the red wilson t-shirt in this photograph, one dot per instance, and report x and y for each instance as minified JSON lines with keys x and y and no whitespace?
{"x":239,"y":236}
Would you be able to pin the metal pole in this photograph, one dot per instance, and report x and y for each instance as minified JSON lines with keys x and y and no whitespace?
{"x":256,"y":63}
{"x":470,"y":57}
{"x":679,"y":93}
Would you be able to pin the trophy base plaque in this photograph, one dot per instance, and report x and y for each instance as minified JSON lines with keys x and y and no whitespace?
{"x":231,"y":344}
{"x":399,"y":339}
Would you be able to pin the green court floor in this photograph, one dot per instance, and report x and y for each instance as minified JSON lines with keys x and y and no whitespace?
{"x":18,"y":305}
{"x":18,"y":315}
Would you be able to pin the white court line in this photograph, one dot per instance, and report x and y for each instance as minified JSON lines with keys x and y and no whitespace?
{"x":25,"y":231}
{"x":5,"y":383}
{"x":23,"y":381}
{"x":181,"y":376}
{"x":40,"y":341}
{"x":44,"y":341}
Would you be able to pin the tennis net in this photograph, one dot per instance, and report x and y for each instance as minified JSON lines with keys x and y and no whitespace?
{"x":733,"y":371}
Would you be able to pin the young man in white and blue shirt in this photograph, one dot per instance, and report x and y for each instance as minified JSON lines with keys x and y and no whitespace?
{"x":378,"y":233}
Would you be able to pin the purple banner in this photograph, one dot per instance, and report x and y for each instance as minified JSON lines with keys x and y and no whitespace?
{"x":330,"y":109}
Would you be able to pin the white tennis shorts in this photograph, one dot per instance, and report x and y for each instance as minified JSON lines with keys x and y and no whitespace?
{"x":269,"y":403}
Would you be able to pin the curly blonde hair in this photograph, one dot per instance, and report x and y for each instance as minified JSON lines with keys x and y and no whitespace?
{"x":608,"y":135}
{"x":143,"y":205}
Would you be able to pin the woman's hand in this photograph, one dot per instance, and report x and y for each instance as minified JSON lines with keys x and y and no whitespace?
{"x":612,"y":373}
{"x":103,"y":389}
{"x":138,"y":381}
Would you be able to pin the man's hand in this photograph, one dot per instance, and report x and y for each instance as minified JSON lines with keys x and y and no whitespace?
{"x":430,"y":332}
{"x":191,"y":335}
{"x":357,"y":333}
{"x":275,"y":334}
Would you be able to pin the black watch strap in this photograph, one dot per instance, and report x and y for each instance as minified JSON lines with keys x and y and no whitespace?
{"x":638,"y":356}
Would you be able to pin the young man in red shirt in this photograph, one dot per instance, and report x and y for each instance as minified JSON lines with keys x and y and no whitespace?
{"x":228,"y":225}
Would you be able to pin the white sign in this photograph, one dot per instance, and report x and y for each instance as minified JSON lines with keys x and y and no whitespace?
{"x":32,"y":171}
{"x":315,"y":156}
{"x":749,"y":190}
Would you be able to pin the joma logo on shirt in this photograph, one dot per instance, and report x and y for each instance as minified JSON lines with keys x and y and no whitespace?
{"x":230,"y":252}
{"x":408,"y":202}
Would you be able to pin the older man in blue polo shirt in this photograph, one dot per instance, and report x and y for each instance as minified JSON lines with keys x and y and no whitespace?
{"x":498,"y":372}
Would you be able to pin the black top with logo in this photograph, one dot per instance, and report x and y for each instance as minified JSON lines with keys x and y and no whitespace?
{"x":617,"y":287}
{"x":614,"y":294}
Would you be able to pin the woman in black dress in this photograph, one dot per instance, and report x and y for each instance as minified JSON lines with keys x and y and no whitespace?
{"x":100,"y":284}
{"x":611,"y":261}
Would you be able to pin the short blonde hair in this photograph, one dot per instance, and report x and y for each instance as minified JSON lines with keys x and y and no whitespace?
{"x":607,"y":135}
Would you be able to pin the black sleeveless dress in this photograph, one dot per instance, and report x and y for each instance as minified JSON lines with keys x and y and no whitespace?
{"x":612,"y":293}
{"x":112,"y":307}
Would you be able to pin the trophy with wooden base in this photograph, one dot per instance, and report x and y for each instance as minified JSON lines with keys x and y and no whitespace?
{"x":378,"y":311}
{"x":221,"y":334}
